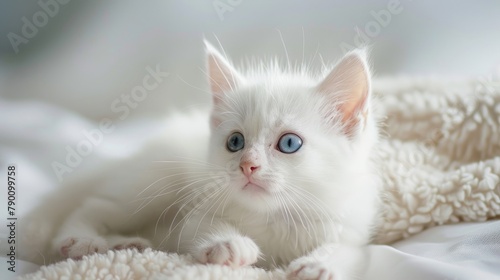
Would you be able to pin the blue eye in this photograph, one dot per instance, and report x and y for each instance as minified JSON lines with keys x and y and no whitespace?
{"x":235,"y":142}
{"x":289,"y":143}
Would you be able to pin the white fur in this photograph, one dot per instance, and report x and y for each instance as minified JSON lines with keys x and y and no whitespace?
{"x":321,"y":200}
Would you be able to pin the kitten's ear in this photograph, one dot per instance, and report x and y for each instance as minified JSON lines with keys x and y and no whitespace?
{"x":223,"y":77}
{"x":347,"y":86}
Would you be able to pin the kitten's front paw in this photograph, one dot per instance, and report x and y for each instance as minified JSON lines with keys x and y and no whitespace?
{"x":306,"y":268}
{"x":77,"y":247}
{"x":237,"y":251}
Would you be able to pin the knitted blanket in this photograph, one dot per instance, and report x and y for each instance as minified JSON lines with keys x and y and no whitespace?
{"x":440,"y":164}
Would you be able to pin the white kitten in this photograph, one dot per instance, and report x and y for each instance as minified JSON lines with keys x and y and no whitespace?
{"x":298,"y":185}
{"x":283,"y":176}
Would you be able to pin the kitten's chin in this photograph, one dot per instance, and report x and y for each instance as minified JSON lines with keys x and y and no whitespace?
{"x":255,"y":197}
{"x":254,"y":189}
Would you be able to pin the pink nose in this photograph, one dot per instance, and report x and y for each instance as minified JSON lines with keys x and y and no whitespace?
{"x":248,"y":168}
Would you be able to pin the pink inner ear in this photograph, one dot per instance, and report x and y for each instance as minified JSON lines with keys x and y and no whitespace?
{"x":222,"y":76}
{"x":348,"y":87}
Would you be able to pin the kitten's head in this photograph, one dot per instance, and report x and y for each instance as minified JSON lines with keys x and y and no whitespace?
{"x":288,"y":139}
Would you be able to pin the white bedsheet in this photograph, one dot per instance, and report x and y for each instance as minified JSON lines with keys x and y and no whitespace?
{"x":33,"y":135}
{"x":452,"y":252}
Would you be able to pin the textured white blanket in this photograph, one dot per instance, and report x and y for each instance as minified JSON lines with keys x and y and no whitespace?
{"x":440,"y":165}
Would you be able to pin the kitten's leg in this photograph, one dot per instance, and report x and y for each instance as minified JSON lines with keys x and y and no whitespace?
{"x":330,"y":261}
{"x":81,"y":233}
{"x":78,"y":238}
{"x":219,"y":243}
